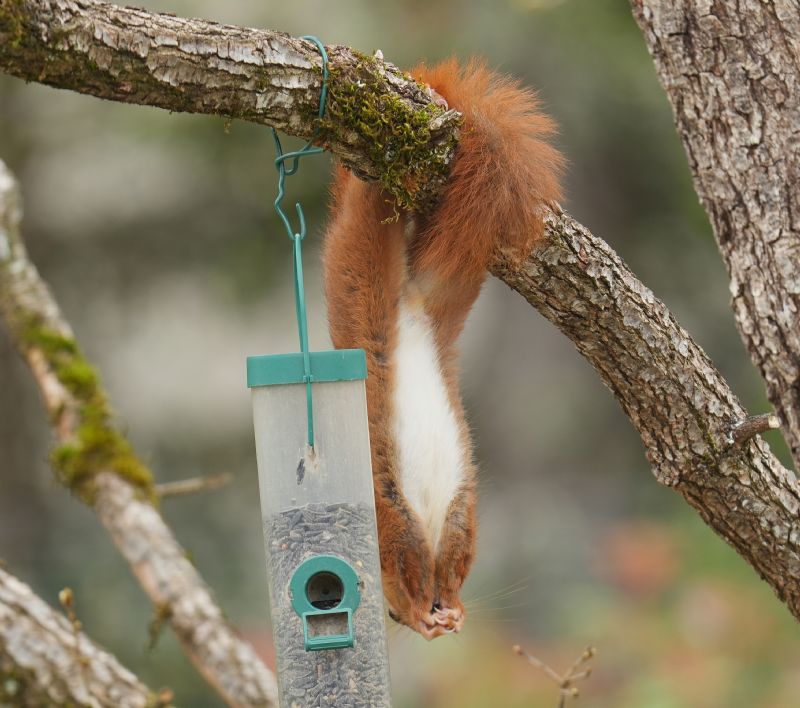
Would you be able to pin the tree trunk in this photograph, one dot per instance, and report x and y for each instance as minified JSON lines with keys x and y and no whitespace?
{"x":731,"y":73}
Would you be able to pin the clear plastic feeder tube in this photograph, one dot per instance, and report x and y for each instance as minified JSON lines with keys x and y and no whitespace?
{"x":321,"y":539}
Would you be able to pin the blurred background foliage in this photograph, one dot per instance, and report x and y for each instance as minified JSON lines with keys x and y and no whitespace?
{"x":157,"y":235}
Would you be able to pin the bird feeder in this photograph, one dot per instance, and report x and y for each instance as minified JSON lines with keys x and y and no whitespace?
{"x":321,"y":538}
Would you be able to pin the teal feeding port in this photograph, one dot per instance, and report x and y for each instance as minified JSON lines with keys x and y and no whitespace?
{"x":324,"y":592}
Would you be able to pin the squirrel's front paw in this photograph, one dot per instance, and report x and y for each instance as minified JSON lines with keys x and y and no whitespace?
{"x":450,"y":619}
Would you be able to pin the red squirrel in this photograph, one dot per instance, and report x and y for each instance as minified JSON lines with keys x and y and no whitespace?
{"x":401,"y":289}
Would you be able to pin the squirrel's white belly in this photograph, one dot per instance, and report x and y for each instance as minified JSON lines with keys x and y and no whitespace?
{"x":431,"y":458}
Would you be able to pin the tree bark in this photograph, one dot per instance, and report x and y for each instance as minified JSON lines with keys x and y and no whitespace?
{"x":44,"y":660}
{"x":731,"y":71}
{"x":135,"y":56}
{"x":116,"y":485}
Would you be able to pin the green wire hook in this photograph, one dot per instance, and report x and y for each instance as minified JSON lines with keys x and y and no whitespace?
{"x":297,"y":237}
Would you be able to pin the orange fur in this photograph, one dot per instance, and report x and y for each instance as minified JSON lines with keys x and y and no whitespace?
{"x":503,"y":171}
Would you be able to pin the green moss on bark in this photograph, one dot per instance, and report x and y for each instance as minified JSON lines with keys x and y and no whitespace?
{"x":97,"y":445}
{"x":12,"y":687}
{"x":396,"y":135}
{"x":11,"y":25}
{"x":162,"y":615}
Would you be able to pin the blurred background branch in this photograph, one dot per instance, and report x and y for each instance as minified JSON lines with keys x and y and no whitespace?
{"x":96,"y":462}
{"x":45,"y":660}
{"x":192,"y":485}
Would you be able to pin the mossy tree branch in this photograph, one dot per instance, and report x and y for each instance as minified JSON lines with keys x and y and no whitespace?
{"x":381,"y":123}
{"x":45,"y":660}
{"x":97,"y":463}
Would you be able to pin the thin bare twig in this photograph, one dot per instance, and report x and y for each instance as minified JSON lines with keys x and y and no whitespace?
{"x":744,"y":430}
{"x":566,"y":681}
{"x":192,"y":485}
{"x":67,"y":599}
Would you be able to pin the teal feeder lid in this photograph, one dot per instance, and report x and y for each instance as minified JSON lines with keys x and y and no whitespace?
{"x":333,"y":365}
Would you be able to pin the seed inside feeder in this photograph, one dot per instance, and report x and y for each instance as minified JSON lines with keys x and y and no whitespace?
{"x":356,"y":677}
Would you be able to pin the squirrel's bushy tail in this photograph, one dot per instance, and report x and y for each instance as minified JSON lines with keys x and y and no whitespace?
{"x":504,"y":169}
